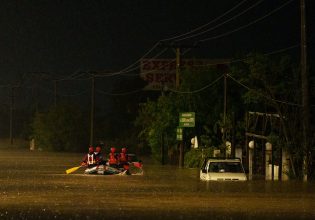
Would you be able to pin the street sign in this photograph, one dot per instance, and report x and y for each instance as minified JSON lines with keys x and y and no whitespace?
{"x":187,"y":119}
{"x":179,"y":133}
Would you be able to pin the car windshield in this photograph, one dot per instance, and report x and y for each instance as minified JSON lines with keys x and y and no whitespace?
{"x":225,"y":167}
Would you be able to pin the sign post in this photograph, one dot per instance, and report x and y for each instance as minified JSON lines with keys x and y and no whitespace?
{"x":179,"y":133}
{"x":186,"y":119}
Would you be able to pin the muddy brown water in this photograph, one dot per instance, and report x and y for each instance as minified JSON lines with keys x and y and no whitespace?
{"x":33,"y":185}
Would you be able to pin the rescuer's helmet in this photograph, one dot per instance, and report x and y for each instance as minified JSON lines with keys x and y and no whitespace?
{"x":112,"y":150}
{"x":98,"y":149}
{"x":91,"y":149}
{"x":123,"y":150}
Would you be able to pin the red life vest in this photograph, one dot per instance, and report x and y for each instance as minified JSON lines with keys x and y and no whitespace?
{"x":112,"y":158}
{"x":123,"y":157}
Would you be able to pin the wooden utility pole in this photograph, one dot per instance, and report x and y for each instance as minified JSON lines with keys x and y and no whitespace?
{"x":177,"y":66}
{"x":55,"y":91}
{"x":305,"y":95}
{"x":181,"y":144}
{"x":92,"y":111}
{"x":162,"y":139}
{"x":224,"y":108}
{"x":11,"y":114}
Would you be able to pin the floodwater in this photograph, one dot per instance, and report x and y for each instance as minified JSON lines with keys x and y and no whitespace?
{"x":33,"y":185}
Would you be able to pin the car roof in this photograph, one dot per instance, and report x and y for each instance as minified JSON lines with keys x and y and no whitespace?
{"x":222,"y":159}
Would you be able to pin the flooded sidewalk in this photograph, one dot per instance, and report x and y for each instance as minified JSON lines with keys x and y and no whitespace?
{"x":33,"y":185}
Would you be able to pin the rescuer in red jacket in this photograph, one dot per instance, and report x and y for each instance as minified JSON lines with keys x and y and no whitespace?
{"x":112,"y":160}
{"x":99,"y":160}
{"x":123,"y":160}
{"x":89,"y":158}
{"x":123,"y":155}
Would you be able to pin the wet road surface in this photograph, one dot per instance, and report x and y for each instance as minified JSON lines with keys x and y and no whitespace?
{"x":33,"y":185}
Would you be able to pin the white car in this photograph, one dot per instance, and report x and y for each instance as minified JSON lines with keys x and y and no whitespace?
{"x":222,"y":169}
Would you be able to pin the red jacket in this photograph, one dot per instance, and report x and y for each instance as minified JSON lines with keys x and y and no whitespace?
{"x":112,"y":159}
{"x":89,"y":159}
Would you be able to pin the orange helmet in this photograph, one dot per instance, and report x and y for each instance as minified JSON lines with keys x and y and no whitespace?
{"x":91,"y":149}
{"x":123,"y":150}
{"x":112,"y":150}
{"x":98,"y":149}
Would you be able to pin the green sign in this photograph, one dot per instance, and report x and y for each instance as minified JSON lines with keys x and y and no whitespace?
{"x":187,"y":119}
{"x":179,"y":133}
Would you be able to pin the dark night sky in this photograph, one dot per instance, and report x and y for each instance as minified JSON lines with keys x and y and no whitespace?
{"x":62,"y":37}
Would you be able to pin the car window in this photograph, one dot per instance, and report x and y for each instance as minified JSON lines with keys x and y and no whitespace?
{"x":224,"y":167}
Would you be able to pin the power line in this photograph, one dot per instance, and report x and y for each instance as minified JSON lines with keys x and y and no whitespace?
{"x":218,"y":25}
{"x":247,"y":25}
{"x":196,"y":29}
{"x":205,"y":25}
{"x":122,"y":72}
{"x":119,"y":94}
{"x":197,"y":90}
{"x":275,"y":100}
{"x":244,"y":59}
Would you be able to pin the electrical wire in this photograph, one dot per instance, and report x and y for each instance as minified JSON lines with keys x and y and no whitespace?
{"x":247,"y":25}
{"x":244,"y":59}
{"x":275,"y":100}
{"x":119,"y":94}
{"x":197,"y":90}
{"x":217,"y":63}
{"x":218,"y":25}
{"x":132,"y":69}
{"x":73,"y":95}
{"x":205,"y":25}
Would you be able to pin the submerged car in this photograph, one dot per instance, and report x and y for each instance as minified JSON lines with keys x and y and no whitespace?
{"x":222,"y":169}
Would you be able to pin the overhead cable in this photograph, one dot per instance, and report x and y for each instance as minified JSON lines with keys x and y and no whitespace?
{"x":275,"y":100}
{"x":122,"y":72}
{"x":205,"y":25}
{"x":247,"y":25}
{"x":119,"y":94}
{"x":197,"y":90}
{"x":218,"y":25}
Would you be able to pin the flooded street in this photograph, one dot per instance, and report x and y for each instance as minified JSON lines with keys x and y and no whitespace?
{"x":33,"y":185}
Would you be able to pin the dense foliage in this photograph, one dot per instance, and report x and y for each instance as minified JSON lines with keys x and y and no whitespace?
{"x":257,"y":83}
{"x":62,"y":129}
{"x":158,"y":119}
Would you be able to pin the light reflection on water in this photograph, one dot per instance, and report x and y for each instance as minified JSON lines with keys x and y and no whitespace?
{"x":35,"y":185}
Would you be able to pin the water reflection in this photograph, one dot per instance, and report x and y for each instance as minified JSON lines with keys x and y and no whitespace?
{"x":35,"y":186}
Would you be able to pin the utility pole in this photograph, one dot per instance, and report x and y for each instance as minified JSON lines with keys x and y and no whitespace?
{"x":11,"y":114}
{"x":162,"y":138}
{"x":178,"y":50}
{"x":181,"y":144}
{"x":224,"y":113}
{"x":92,"y":110}
{"x":305,"y":96}
{"x":55,"y":90}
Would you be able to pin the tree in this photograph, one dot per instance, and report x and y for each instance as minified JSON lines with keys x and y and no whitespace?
{"x":273,"y":86}
{"x":60,"y":129}
{"x":158,"y":119}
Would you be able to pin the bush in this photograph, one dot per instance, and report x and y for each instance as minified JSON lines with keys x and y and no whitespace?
{"x":60,"y":129}
{"x":194,"y":157}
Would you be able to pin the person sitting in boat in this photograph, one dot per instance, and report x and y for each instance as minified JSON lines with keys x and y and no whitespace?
{"x":99,"y":160}
{"x":89,"y":158}
{"x":113,"y":160}
{"x":123,"y":160}
{"x":91,"y":163}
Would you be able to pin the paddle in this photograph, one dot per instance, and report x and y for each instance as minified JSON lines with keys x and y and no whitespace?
{"x":71,"y":170}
